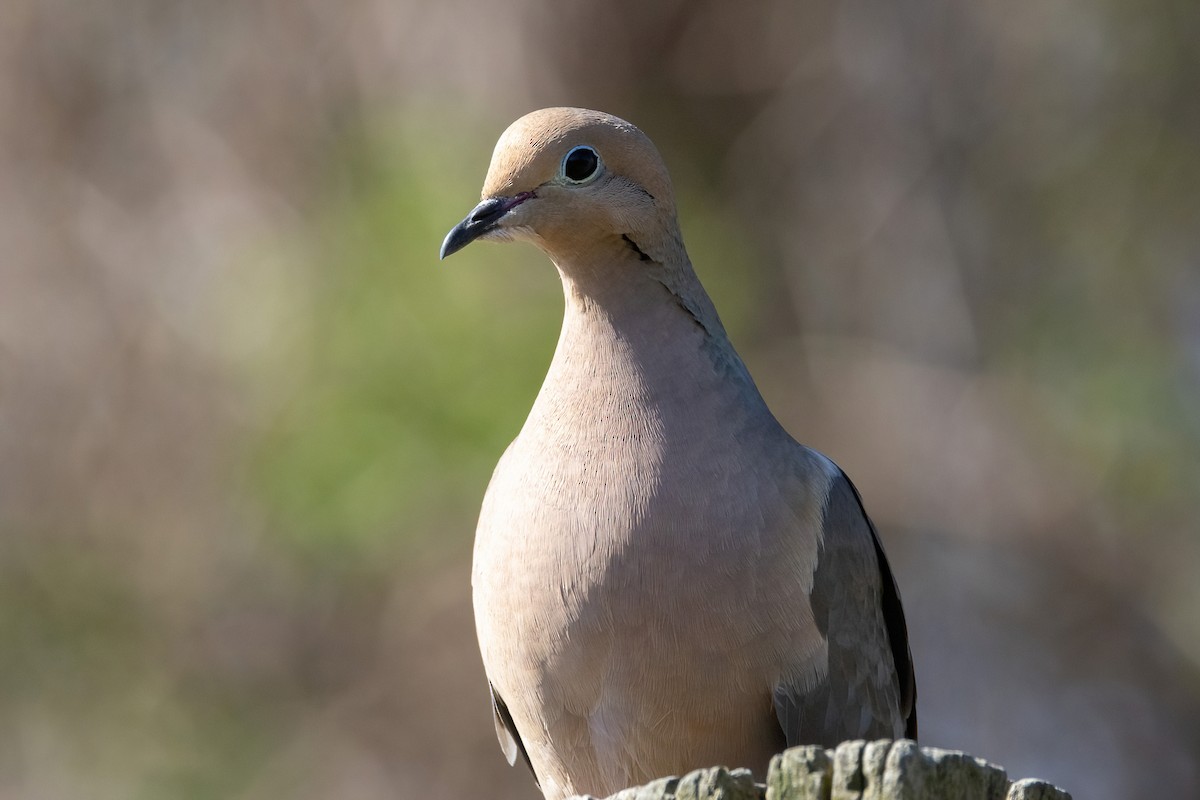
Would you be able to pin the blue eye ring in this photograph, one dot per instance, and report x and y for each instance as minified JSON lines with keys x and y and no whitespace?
{"x":581,"y":165}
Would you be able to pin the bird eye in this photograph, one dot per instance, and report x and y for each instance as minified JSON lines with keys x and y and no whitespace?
{"x":581,"y":164}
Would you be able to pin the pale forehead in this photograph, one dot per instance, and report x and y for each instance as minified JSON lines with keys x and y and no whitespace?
{"x":530,"y":151}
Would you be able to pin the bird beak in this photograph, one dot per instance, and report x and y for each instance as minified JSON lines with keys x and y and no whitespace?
{"x":483,"y":218}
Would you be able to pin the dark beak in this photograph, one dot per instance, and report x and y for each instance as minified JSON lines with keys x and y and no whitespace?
{"x":481,"y":220}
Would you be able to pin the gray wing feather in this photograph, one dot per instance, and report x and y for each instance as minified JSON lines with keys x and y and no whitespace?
{"x":868,"y":690}
{"x":506,"y":732}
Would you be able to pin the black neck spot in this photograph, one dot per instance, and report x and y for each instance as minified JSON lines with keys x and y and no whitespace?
{"x":641,"y":253}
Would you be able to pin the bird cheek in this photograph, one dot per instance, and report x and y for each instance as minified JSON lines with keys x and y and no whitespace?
{"x":516,"y":224}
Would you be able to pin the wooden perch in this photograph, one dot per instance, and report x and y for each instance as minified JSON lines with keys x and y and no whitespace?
{"x":881,"y":770}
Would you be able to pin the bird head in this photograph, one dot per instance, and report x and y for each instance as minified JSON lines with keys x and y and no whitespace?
{"x":573,"y":181}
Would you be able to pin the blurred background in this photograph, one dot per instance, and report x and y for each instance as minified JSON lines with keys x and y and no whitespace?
{"x":246,"y":416}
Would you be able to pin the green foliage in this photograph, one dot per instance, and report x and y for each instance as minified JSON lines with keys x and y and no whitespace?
{"x":406,"y":377}
{"x":84,"y":654}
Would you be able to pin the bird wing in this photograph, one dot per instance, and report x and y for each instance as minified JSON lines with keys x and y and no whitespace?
{"x":506,"y":732}
{"x":857,"y":609}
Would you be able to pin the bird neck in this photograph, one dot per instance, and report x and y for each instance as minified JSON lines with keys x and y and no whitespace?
{"x":635,"y":295}
{"x":641,"y":333}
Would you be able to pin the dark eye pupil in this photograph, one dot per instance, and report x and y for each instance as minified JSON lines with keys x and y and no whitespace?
{"x":581,"y":163}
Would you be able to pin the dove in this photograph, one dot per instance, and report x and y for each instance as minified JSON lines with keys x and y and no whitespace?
{"x":663,"y":578}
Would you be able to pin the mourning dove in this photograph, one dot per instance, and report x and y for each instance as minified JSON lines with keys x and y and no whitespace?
{"x":663,"y":578}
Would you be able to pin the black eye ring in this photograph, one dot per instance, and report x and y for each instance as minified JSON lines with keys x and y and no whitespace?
{"x":581,"y":164}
